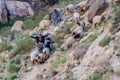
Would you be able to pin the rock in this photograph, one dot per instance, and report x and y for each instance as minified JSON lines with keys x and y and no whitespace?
{"x":79,"y":51}
{"x":53,"y":72}
{"x":3,"y":12}
{"x":20,"y":8}
{"x":44,"y":24}
{"x":118,"y":33}
{"x":38,"y":77}
{"x":10,"y":9}
{"x":97,"y":8}
{"x":18,"y":25}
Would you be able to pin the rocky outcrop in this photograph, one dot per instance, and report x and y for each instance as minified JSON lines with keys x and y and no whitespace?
{"x":87,"y":65}
{"x":20,"y":8}
{"x":8,"y":9}
{"x":3,"y":12}
{"x":97,"y":8}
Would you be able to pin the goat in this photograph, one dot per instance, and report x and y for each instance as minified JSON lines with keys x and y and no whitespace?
{"x":33,"y":55}
{"x":81,"y":5}
{"x":70,"y":8}
{"x":69,"y":42}
{"x":78,"y":32}
{"x":46,"y":52}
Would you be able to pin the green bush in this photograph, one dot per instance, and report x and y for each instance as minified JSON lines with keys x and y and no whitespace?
{"x":15,"y":61}
{"x":1,"y":78}
{"x":29,"y":24}
{"x":12,"y":68}
{"x":13,"y":77}
{"x":23,"y":44}
{"x":4,"y":46}
{"x":91,"y":38}
{"x":2,"y":59}
{"x":66,"y":2}
{"x":105,"y":41}
{"x":57,"y":61}
{"x":33,"y":22}
{"x":5,"y":31}
{"x":95,"y":76}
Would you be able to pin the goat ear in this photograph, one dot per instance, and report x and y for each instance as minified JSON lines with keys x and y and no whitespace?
{"x":38,"y":57}
{"x":27,"y":57}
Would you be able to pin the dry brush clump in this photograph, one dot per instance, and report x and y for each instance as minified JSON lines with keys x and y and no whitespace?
{"x":23,"y":44}
{"x":101,"y":60}
{"x":105,"y":41}
{"x":57,"y":61}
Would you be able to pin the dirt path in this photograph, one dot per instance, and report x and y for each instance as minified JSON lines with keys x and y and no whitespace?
{"x":32,"y":74}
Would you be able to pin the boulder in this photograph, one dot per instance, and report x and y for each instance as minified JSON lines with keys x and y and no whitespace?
{"x":79,"y":51}
{"x":18,"y":26}
{"x":97,"y":8}
{"x":3,"y":12}
{"x":10,"y":9}
{"x":20,"y":8}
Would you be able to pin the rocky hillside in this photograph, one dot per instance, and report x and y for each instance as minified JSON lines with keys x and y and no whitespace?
{"x":94,"y":55}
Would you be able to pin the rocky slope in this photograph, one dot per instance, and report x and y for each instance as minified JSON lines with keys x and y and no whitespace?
{"x":93,"y":57}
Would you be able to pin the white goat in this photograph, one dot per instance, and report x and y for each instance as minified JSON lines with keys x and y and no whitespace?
{"x":97,"y":20}
{"x":69,"y":42}
{"x":78,"y":31}
{"x":56,"y":29}
{"x":46,"y":52}
{"x":76,"y":16}
{"x":40,"y":58}
{"x":70,"y":8}
{"x":33,"y":55}
{"x":82,"y":4}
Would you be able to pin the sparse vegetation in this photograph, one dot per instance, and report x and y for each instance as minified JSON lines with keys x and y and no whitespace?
{"x":2,"y":59}
{"x":13,"y":77}
{"x":66,"y":2}
{"x":4,"y":46}
{"x":23,"y":44}
{"x":95,"y":76}
{"x":105,"y":41}
{"x":58,"y":60}
{"x":33,"y":22}
{"x":91,"y":38}
{"x":5,"y":31}
{"x":118,"y":71}
{"x":11,"y":22}
{"x":13,"y":62}
{"x":12,"y":68}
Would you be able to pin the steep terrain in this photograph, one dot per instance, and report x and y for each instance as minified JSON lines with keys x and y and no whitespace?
{"x":95,"y":56}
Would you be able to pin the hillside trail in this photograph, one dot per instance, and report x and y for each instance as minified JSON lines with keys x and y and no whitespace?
{"x":36,"y":69}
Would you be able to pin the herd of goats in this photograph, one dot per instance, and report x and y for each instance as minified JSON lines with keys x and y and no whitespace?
{"x":43,"y":41}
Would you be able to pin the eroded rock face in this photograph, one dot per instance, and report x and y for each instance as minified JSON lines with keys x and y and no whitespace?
{"x":20,"y":8}
{"x":8,"y":9}
{"x":3,"y":12}
{"x":97,"y":8}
